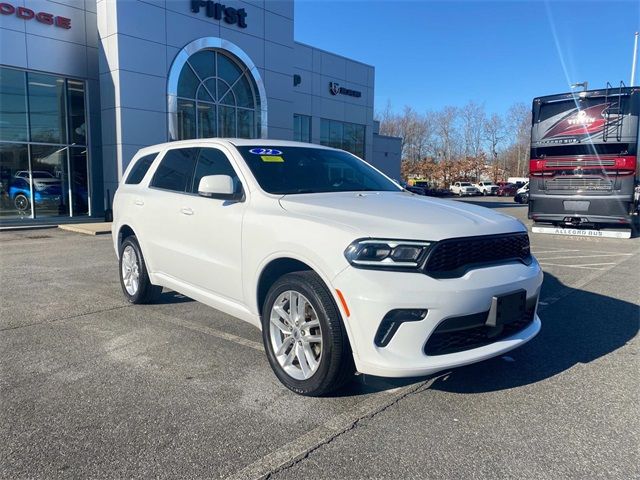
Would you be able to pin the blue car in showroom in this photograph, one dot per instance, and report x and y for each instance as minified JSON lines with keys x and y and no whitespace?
{"x":47,"y":190}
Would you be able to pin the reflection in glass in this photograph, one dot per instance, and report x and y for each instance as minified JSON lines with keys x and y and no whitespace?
{"x":186,"y":119}
{"x":226,"y":121}
{"x":204,"y":63}
{"x":77,"y":121}
{"x":47,"y":112}
{"x":79,"y":180}
{"x":188,"y":83}
{"x":15,"y":191}
{"x":13,"y":106}
{"x":302,"y":128}
{"x":206,"y":120}
{"x":50,"y":184}
{"x":245,"y":123}
{"x":347,"y":136}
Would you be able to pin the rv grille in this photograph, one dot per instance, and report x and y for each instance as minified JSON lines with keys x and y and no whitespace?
{"x":579,"y":183}
{"x":580,"y":163}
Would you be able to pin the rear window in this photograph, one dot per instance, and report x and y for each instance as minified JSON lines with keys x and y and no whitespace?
{"x":140,"y":169}
{"x":175,"y":171}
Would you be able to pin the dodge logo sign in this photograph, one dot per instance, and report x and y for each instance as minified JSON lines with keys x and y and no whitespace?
{"x":336,"y":89}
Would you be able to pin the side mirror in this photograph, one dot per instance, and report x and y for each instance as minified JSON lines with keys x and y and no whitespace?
{"x":220,"y":187}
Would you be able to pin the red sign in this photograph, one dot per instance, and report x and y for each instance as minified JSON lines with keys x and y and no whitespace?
{"x":42,"y":17}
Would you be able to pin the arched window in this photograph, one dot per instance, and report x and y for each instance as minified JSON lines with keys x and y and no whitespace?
{"x":216,"y":96}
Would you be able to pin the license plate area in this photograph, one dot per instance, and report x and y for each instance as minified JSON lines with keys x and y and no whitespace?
{"x":507,"y":308}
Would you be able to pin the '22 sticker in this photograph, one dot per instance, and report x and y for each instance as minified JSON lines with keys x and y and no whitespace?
{"x":265,"y":151}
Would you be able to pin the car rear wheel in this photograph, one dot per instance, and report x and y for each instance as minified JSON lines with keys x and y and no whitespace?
{"x":21,"y":202}
{"x":305,"y":340}
{"x":134,"y":278}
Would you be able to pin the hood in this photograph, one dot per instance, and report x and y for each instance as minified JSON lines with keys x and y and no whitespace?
{"x":401,"y":215}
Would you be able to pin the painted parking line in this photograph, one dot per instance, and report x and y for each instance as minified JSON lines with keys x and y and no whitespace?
{"x":302,"y":446}
{"x":588,"y":256}
{"x":588,"y":266}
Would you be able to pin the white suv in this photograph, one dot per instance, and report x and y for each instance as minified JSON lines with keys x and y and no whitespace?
{"x":340,"y":268}
{"x":463,"y":188}
{"x":487,"y":188}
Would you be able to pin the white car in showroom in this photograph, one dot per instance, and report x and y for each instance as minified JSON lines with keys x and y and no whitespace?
{"x":463,"y":188}
{"x":340,"y":268}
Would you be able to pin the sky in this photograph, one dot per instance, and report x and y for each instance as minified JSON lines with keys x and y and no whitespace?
{"x":429,"y":54}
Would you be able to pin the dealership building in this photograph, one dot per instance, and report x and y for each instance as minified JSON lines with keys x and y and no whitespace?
{"x":84,"y":84}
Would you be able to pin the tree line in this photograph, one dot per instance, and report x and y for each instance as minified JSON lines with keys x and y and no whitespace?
{"x":460,"y":143}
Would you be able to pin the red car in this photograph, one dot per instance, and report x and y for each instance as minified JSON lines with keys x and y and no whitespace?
{"x":507,"y":189}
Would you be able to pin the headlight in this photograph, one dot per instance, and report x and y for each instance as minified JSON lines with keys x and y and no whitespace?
{"x":387,"y":254}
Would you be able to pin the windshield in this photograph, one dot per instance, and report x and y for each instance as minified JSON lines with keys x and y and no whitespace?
{"x":291,"y":170}
{"x":465,"y":184}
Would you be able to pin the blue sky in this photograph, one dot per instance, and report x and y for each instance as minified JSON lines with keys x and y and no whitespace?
{"x":429,"y":54}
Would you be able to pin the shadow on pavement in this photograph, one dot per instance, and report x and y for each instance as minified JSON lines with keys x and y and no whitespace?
{"x":169,"y":296}
{"x":581,"y":330}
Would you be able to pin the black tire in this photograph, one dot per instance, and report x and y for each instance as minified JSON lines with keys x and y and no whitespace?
{"x":336,"y":366}
{"x":146,"y":291}
{"x":21,"y":202}
{"x":484,"y":193}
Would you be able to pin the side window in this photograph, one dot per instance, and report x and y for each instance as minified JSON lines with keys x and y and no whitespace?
{"x":140,"y":169}
{"x":175,"y":171}
{"x":212,"y":161}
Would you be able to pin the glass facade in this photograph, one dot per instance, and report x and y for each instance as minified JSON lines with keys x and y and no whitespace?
{"x":347,"y":136}
{"x":43,"y":146}
{"x":301,"y":128}
{"x":216,"y":98}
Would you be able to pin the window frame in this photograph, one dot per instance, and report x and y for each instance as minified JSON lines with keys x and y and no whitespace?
{"x":159,"y":163}
{"x":225,"y":151}
{"x":135,"y":163}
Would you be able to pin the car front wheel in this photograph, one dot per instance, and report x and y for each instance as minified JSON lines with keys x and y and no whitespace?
{"x":305,"y":340}
{"x":21,"y":202}
{"x":134,"y":278}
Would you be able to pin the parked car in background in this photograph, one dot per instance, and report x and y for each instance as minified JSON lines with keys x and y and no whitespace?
{"x":522,"y":195}
{"x":487,"y":188}
{"x":47,"y":190}
{"x":339,"y":267}
{"x":413,"y":188}
{"x":506,"y":190}
{"x":464,"y":188}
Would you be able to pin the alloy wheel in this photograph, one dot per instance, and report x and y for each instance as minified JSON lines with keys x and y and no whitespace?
{"x":296,"y":335}
{"x":130,"y":270}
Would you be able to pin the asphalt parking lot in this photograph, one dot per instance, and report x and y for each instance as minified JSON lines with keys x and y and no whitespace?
{"x":92,"y":387}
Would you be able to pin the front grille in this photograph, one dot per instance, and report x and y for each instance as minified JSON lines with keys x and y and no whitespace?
{"x":443,"y":340}
{"x":579,"y":183}
{"x":453,"y":257}
{"x":580,"y":163}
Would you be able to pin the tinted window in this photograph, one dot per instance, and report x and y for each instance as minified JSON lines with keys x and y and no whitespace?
{"x":140,"y":169}
{"x":211,"y":161}
{"x":288,"y":170}
{"x":176,"y":170}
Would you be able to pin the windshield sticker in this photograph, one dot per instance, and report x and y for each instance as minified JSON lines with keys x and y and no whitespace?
{"x":265,"y":151}
{"x":272,"y":158}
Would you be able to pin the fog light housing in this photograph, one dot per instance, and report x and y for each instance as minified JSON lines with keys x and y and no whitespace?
{"x":392,"y":321}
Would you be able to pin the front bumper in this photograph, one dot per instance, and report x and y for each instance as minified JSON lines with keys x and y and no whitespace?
{"x":370,"y":295}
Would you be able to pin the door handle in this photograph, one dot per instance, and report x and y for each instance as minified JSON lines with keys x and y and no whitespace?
{"x":186,"y":211}
{"x":139,"y":202}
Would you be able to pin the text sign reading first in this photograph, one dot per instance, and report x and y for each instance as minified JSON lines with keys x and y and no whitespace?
{"x":28,"y":14}
{"x":221,"y":12}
